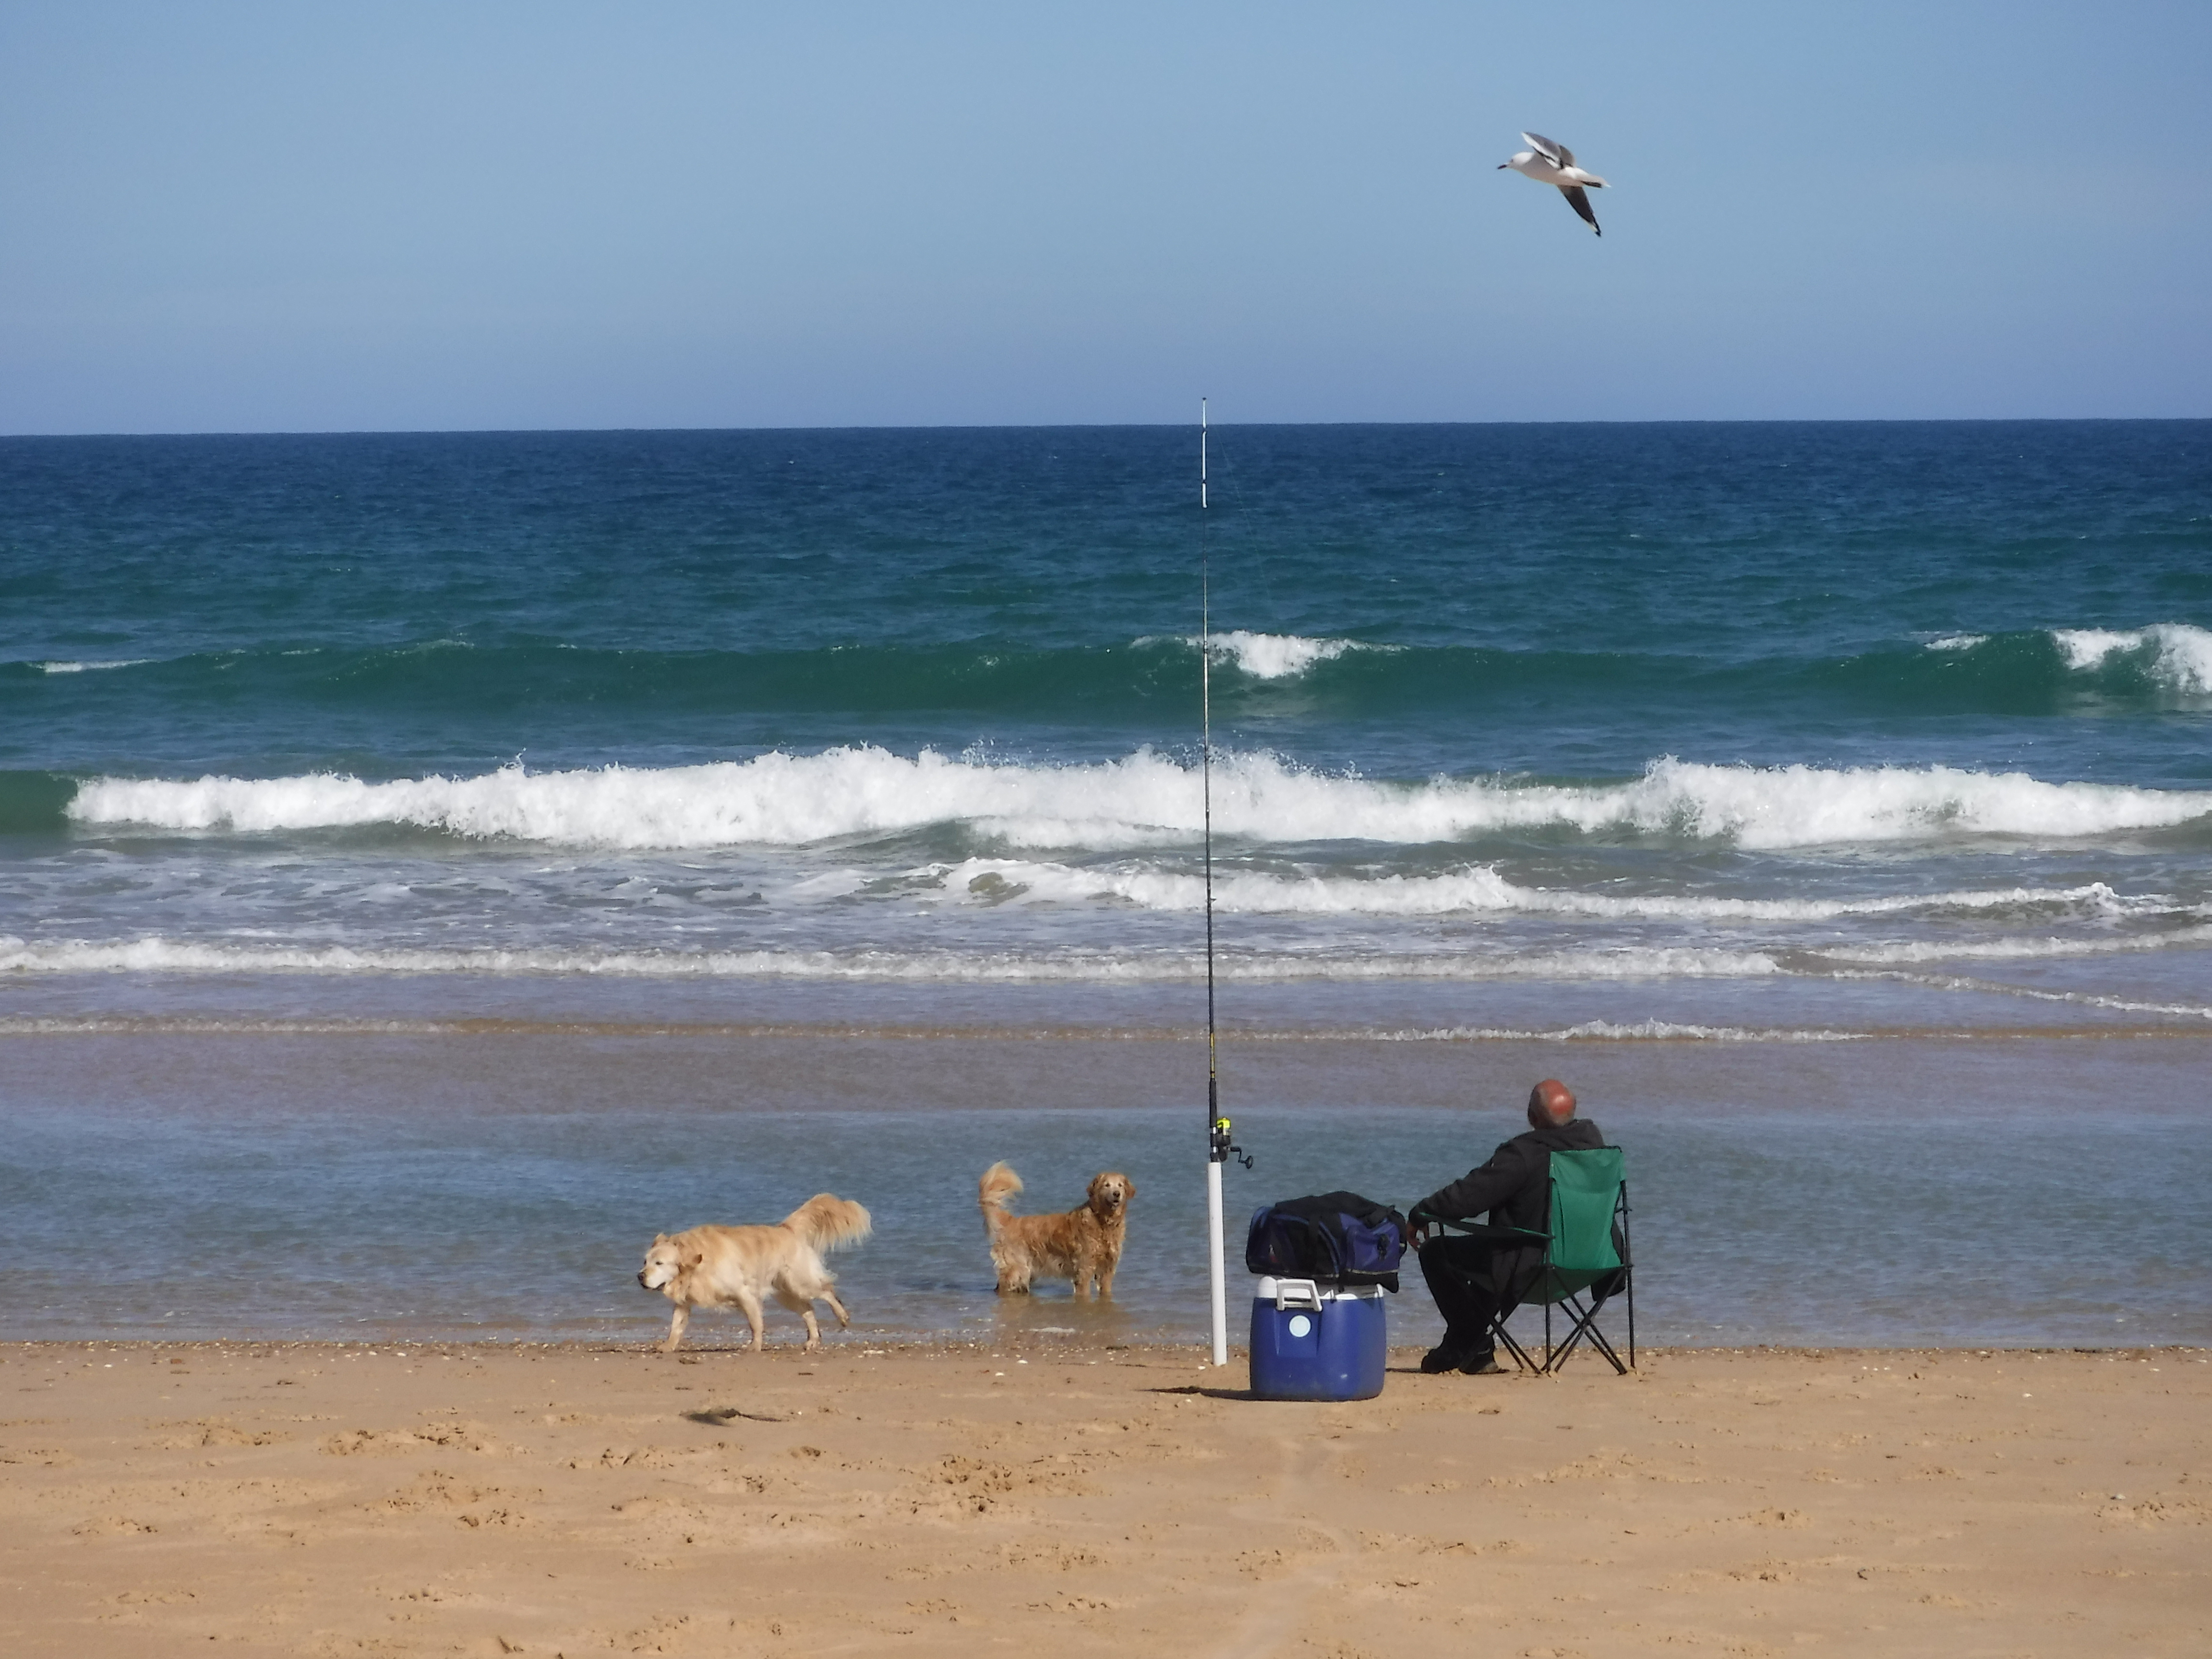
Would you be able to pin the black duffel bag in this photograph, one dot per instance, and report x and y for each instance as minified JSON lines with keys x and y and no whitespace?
{"x":1338,"y":1236}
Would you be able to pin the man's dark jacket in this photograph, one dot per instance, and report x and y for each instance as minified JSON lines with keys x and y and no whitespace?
{"x":1515,"y":1186}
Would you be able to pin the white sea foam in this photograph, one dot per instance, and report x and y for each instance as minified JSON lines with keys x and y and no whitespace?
{"x":1596,"y":1030}
{"x":1276,"y":656}
{"x":1478,"y":889}
{"x":2022,"y":949}
{"x":155,"y":954}
{"x":158,"y":1025}
{"x":1271,"y":656}
{"x":1606,"y":1031}
{"x":1998,"y":988}
{"x":2178,"y":656}
{"x":89,"y":667}
{"x":1144,"y":800}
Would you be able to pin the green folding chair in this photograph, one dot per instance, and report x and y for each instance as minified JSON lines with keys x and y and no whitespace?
{"x":1587,"y":1260}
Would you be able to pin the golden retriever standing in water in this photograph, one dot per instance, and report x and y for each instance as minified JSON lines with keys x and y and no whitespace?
{"x":1083,"y":1244}
{"x":734,"y":1267}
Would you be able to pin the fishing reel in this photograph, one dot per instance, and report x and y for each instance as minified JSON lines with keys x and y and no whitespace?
{"x":1220,"y":1149}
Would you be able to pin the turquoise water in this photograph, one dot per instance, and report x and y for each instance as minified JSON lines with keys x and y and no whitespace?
{"x":1872,"y":752}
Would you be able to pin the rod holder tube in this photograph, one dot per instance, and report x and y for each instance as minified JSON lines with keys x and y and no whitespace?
{"x":1220,"y":1278}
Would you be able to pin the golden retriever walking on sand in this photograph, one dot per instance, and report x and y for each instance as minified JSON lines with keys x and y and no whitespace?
{"x":1083,"y":1244}
{"x":735,"y":1266}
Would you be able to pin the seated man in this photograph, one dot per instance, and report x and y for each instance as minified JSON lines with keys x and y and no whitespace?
{"x":1473,"y":1279}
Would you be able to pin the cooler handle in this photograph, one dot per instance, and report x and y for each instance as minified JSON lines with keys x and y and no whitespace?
{"x":1296,"y":1293}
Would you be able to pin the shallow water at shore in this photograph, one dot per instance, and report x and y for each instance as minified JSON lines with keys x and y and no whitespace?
{"x":2021,"y":1190}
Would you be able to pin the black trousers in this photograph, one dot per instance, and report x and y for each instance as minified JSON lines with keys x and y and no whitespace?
{"x":1473,"y":1282}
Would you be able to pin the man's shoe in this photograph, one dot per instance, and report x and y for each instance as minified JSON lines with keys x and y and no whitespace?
{"x":1481,"y":1364}
{"x":1438,"y":1360}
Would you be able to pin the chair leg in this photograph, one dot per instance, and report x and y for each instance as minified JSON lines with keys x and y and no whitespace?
{"x":1598,"y":1341}
{"x":1627,"y":1270}
{"x":1585,"y":1325}
{"x":1577,"y":1323}
{"x":1520,"y":1359}
{"x":1555,"y":1361}
{"x":1632,"y":1318}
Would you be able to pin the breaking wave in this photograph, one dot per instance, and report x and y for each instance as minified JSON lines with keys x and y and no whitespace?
{"x":2175,"y":654}
{"x":1278,"y":656}
{"x":1607,"y":1030}
{"x":1143,"y":800}
{"x":1480,"y":890}
{"x":2021,"y":950}
{"x":1594,"y":1030}
{"x":2163,"y":662}
{"x":1135,"y":683}
{"x":158,"y":955}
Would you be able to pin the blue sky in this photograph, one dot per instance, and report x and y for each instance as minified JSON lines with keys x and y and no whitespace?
{"x":235,"y":216}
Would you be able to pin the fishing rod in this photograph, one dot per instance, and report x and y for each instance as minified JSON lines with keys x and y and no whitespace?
{"x":1217,"y":1148}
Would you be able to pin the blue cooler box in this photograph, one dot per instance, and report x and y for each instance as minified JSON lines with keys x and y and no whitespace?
{"x":1315,"y":1341}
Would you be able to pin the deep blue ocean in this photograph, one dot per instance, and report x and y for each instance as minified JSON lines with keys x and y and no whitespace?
{"x":1694,"y":737}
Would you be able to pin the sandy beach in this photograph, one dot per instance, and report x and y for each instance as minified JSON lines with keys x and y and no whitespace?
{"x":340,"y":1499}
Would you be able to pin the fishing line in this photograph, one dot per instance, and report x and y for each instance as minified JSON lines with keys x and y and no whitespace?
{"x":1216,"y":1127}
{"x":1218,"y":1149}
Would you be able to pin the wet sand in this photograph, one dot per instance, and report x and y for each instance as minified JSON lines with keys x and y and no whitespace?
{"x":161,"y":1499}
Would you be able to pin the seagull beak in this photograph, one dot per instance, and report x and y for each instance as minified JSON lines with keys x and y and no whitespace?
{"x":1502,"y":165}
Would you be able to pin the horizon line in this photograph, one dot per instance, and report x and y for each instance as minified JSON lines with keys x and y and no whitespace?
{"x":1099,"y":426}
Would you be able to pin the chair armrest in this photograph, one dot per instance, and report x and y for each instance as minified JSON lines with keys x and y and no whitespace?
{"x":1490,"y":1232}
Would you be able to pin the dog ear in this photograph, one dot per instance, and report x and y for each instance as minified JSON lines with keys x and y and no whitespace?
{"x":697,"y":1257}
{"x":660,"y":1238}
{"x":1128,"y":1189}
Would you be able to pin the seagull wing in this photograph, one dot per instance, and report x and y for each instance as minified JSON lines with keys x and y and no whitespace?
{"x":1579,"y":199}
{"x":1567,"y":156}
{"x":1544,"y":148}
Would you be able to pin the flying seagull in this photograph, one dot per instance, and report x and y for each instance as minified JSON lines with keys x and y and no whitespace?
{"x":1548,"y":163}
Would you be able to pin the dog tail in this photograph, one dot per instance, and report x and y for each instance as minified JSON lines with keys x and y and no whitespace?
{"x":1000,"y":1184}
{"x":826,"y":1221}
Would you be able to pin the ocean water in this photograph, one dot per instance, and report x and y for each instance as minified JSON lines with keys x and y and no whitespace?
{"x":1805,"y":783}
{"x":503,"y":1185}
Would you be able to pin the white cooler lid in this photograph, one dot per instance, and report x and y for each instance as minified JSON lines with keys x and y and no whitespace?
{"x":1269,"y":1290}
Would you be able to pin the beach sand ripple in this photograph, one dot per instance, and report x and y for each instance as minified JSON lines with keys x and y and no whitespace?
{"x":419,"y":1500}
